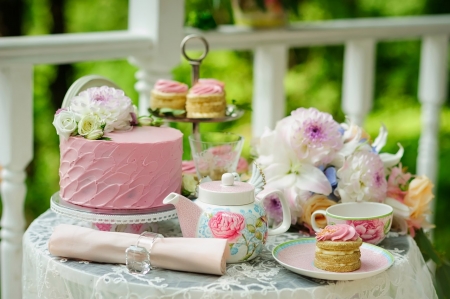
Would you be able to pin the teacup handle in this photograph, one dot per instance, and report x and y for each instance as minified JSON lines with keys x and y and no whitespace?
{"x":313,"y":219}
{"x":285,"y":208}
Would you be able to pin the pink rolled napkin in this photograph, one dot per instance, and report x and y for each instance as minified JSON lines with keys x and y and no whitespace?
{"x":181,"y":254}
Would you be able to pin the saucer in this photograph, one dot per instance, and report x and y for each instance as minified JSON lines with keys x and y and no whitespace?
{"x":298,"y":256}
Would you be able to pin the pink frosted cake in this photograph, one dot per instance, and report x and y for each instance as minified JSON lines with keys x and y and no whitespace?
{"x":134,"y":170}
{"x":112,"y":159}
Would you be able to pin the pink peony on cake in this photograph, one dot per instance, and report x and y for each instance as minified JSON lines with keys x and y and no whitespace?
{"x":110,"y":158}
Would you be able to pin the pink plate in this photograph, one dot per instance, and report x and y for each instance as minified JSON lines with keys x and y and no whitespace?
{"x":298,"y":256}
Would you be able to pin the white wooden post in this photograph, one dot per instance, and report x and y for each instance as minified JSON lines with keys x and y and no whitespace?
{"x":432,"y":94}
{"x":16,"y":151}
{"x":269,"y":69}
{"x":162,"y":21}
{"x":357,"y":89}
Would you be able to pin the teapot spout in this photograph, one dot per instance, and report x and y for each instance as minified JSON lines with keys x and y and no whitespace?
{"x":188,"y":213}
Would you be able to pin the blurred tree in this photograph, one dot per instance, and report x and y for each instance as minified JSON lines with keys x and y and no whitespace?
{"x":11,"y":17}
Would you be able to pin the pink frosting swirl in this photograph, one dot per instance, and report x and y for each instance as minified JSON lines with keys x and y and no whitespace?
{"x":204,"y":88}
{"x":337,"y":232}
{"x":170,"y":86}
{"x":211,"y":81}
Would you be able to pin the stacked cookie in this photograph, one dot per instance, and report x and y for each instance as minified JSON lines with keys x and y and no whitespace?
{"x":337,"y":249}
{"x":206,"y":99}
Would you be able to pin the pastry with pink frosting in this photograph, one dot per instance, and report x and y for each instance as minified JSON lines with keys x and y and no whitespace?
{"x":168,"y":94}
{"x":337,"y":248}
{"x":206,"y":100}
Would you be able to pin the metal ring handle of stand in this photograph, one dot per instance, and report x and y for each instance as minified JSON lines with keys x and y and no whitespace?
{"x":195,"y":63}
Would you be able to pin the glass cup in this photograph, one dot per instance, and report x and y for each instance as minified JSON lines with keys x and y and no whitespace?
{"x":215,"y":153}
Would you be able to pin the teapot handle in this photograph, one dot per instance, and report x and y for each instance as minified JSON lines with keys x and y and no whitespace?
{"x":285,"y":207}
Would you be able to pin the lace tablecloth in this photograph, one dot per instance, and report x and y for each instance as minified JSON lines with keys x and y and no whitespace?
{"x":47,"y":276}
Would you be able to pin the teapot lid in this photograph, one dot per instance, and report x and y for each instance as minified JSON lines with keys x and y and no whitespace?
{"x":226,"y":192}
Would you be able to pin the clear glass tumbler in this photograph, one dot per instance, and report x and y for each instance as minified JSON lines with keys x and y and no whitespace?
{"x":215,"y":153}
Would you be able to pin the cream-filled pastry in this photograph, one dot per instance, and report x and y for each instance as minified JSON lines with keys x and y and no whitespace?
{"x":206,"y":100}
{"x":337,"y":249}
{"x":168,"y":94}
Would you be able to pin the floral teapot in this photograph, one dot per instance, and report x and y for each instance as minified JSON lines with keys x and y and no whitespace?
{"x":227,"y":209}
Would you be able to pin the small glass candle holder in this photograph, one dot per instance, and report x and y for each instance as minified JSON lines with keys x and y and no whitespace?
{"x":215,"y":153}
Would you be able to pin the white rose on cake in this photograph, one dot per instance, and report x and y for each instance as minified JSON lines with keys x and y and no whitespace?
{"x":65,"y":123}
{"x":88,"y":124}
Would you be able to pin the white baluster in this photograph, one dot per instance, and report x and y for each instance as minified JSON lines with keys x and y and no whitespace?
{"x":357,"y":90}
{"x":432,"y":94}
{"x":269,"y":69}
{"x":162,"y":21}
{"x":16,"y":151}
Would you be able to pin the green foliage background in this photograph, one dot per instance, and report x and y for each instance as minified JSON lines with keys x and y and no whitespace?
{"x":314,"y":79}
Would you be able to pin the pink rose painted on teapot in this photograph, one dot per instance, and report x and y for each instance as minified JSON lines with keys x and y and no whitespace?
{"x":227,"y":209}
{"x":227,"y":225}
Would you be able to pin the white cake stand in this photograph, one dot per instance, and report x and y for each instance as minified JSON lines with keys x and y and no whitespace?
{"x":113,"y":220}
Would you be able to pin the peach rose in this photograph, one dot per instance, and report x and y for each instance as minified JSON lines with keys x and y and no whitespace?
{"x":314,"y":203}
{"x":417,"y":199}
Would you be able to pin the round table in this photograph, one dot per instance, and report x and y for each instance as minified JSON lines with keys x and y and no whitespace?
{"x":47,"y":276}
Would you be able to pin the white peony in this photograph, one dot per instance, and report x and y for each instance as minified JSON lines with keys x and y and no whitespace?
{"x":65,"y":123}
{"x":89,"y":124}
{"x":110,"y":105}
{"x":362,"y":178}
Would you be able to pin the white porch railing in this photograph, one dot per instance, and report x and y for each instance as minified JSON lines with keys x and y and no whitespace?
{"x":152,"y":43}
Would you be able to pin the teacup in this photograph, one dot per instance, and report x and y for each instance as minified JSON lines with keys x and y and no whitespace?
{"x":371,"y":220}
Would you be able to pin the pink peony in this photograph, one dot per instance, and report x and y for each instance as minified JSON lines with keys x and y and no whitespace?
{"x":397,"y":184}
{"x":370,"y":231}
{"x":227,"y":225}
{"x":315,"y":136}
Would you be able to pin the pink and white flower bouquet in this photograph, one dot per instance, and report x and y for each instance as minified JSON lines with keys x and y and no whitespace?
{"x":318,"y":163}
{"x":96,"y":111}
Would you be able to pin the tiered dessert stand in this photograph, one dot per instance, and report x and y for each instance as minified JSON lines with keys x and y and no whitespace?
{"x":232,"y":113}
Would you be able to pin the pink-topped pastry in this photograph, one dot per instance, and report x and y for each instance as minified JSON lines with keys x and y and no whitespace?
{"x":212,"y":81}
{"x":168,"y":94}
{"x":136,"y":169}
{"x":337,"y":248}
{"x":338,"y":232}
{"x":206,"y":100}
{"x":206,"y":89}
{"x":169,"y":86}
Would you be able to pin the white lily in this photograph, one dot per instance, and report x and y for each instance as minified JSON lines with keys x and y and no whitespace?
{"x":283,"y":170}
{"x":401,"y":213}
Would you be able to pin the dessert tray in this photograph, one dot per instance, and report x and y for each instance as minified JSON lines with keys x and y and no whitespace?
{"x":231,"y":114}
{"x":298,"y":256}
{"x":61,"y":207}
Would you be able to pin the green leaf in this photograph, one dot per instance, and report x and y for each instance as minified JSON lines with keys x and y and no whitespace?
{"x":244,"y":106}
{"x":251,"y":228}
{"x":259,"y":222}
{"x":157,"y":122}
{"x":442,"y":280}
{"x":105,"y":138}
{"x":387,"y":226}
{"x":258,"y":235}
{"x":167,"y":112}
{"x":426,"y":247}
